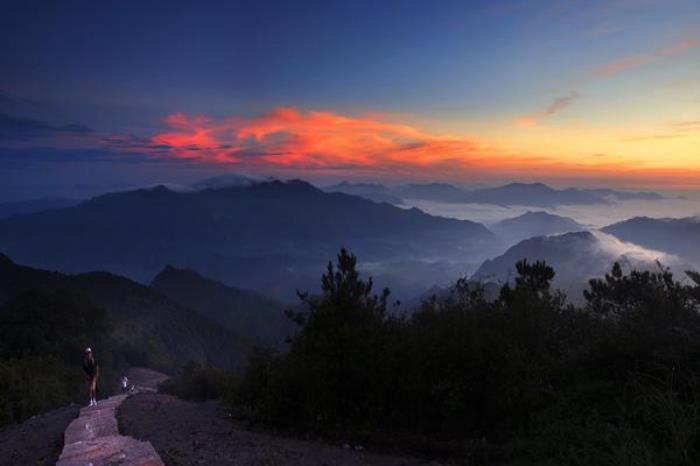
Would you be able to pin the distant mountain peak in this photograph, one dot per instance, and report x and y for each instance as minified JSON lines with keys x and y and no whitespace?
{"x":160,"y":188}
{"x":170,"y":272}
{"x":534,"y":223}
{"x":237,"y":182}
{"x":229,"y":180}
{"x":372,"y":191}
{"x":539,"y":214}
{"x":538,"y":185}
{"x":155,"y":192}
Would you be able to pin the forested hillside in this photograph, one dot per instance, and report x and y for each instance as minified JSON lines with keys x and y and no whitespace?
{"x":47,"y":319}
{"x":526,"y":377}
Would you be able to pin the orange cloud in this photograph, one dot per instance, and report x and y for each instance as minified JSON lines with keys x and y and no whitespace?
{"x":552,"y":109}
{"x":635,"y":61}
{"x":290,"y":141}
{"x":289,"y":137}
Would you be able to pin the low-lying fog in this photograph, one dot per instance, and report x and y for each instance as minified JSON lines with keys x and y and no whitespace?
{"x":675,"y":205}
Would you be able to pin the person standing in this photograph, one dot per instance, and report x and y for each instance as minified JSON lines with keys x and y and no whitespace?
{"x":92,"y":372}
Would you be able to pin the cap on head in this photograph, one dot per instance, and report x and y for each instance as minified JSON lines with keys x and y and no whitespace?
{"x":88,"y":350}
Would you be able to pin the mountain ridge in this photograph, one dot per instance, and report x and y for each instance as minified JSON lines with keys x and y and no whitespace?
{"x":679,"y":236}
{"x":255,"y":317}
{"x":273,"y":235}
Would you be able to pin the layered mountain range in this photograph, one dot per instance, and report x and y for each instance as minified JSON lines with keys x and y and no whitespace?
{"x":272,"y":236}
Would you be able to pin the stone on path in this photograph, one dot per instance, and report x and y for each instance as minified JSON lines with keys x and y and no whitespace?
{"x":93,"y":438}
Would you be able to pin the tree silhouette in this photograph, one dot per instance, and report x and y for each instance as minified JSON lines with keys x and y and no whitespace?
{"x":336,"y":350}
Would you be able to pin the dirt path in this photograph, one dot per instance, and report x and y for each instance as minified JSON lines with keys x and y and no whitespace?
{"x":186,"y":433}
{"x":93,"y":438}
{"x":145,"y":380}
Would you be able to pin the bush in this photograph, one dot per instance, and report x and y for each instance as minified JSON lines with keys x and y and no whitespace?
{"x":34,"y":384}
{"x":199,"y":383}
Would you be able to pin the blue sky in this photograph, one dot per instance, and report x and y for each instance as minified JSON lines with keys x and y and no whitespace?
{"x":489,"y":72}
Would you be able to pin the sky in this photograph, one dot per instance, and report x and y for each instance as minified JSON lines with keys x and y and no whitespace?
{"x":97,"y":96}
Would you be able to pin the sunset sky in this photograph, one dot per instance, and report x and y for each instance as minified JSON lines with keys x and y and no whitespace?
{"x":102,"y":95}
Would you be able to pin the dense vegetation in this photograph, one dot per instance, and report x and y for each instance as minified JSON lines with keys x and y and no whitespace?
{"x":526,"y":376}
{"x":42,"y":338}
{"x":151,"y":328}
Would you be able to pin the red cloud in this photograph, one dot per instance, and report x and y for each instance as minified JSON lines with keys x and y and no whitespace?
{"x":288,"y":137}
{"x":292,"y":141}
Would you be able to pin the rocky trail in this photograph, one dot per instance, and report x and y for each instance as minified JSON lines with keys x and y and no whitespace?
{"x":93,"y":438}
{"x":152,"y":429}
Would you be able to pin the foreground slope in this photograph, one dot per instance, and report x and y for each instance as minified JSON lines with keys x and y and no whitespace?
{"x":169,"y":332}
{"x":187,"y":433}
{"x":259,"y":319}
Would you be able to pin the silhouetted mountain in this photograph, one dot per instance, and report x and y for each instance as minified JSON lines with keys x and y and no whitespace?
{"x":259,"y":319}
{"x":271,"y":236}
{"x":143,"y":317}
{"x":526,"y":194}
{"x":576,"y":258}
{"x":373,"y":192}
{"x":679,"y":236}
{"x":34,"y":205}
{"x":229,"y":180}
{"x":437,"y":192}
{"x":534,"y":194}
{"x":532,"y":224}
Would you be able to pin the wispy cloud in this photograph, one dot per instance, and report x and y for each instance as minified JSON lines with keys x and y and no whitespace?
{"x":673,"y":130}
{"x":610,"y":245}
{"x":688,"y":125}
{"x":552,"y":109}
{"x":653,"y":137}
{"x":634,"y":61}
{"x":609,"y":69}
{"x":15,"y":128}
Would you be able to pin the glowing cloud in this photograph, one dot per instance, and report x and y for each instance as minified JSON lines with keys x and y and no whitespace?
{"x":289,"y":137}
{"x":303,"y":142}
{"x":610,"y":245}
{"x":552,"y":109}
